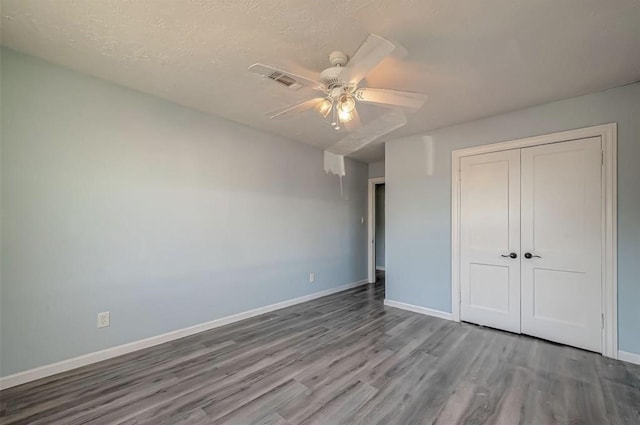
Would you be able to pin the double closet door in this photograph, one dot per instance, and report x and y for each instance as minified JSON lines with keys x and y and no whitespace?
{"x":530,"y":233}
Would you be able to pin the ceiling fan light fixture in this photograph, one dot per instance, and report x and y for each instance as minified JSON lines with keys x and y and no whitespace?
{"x":344,"y":116}
{"x":341,"y":92}
{"x":347,"y":103}
{"x":324,"y":107}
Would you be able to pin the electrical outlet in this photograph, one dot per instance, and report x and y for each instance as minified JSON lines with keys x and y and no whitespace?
{"x":103,"y":319}
{"x":312,"y":277}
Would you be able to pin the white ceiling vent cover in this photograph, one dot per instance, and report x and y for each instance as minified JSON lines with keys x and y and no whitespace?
{"x":284,"y":79}
{"x":278,"y":76}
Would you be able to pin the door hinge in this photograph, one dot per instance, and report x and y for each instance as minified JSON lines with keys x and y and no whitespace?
{"x":602,"y":158}
{"x":602,"y":316}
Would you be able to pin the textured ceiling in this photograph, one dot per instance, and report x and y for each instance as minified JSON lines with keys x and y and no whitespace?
{"x":473,"y":58}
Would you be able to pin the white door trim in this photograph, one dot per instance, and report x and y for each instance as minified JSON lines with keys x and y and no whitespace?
{"x":371,"y":252}
{"x":608,"y":135}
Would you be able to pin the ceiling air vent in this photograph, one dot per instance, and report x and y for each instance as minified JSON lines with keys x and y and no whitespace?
{"x":284,"y":80}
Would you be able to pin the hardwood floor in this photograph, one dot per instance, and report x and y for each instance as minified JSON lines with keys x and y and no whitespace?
{"x":342,"y":359}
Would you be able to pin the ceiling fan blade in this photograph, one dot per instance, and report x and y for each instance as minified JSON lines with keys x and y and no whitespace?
{"x":354,"y":123}
{"x":369,"y":54}
{"x":286,"y":78}
{"x":369,"y":133}
{"x":289,"y":111}
{"x":404,"y":99}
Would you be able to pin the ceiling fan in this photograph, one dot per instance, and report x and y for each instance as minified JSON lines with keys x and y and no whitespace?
{"x":340,"y":88}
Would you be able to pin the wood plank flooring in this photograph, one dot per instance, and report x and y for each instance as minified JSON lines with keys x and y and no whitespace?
{"x":342,"y":359}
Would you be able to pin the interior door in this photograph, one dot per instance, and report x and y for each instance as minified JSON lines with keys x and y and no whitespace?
{"x":490,"y":240}
{"x":561,"y":242}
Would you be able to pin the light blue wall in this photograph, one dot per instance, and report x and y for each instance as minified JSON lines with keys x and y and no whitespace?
{"x":380,"y":227}
{"x":418,"y":225}
{"x":376,"y":169}
{"x":116,"y":201}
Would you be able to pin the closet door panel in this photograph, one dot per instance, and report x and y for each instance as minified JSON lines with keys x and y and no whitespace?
{"x":561,"y":230}
{"x":489,"y":233}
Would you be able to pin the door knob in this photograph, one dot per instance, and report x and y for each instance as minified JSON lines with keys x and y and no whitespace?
{"x":528,"y":255}
{"x":512,"y":255}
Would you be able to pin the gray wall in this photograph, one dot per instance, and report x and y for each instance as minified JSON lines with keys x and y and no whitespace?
{"x":166,"y":217}
{"x":380,"y":228}
{"x":376,"y":169}
{"x":418,"y":267}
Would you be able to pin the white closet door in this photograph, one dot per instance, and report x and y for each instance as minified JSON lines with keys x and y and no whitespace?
{"x":490,"y":232}
{"x":561,"y":229}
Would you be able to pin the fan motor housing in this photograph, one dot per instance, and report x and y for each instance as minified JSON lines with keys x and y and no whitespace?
{"x":338,"y":58}
{"x":331,"y":76}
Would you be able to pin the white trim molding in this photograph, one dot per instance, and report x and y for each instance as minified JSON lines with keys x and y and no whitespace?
{"x":417,"y":309}
{"x":608,"y":136}
{"x":109,"y":353}
{"x":371,"y":229}
{"x":629,"y":357}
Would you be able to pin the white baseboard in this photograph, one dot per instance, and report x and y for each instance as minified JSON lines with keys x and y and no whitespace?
{"x":381,"y":268}
{"x":108,"y":353}
{"x":417,"y":309}
{"x":629,"y":357}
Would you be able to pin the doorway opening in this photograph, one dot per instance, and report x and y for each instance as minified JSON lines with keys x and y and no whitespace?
{"x":376,"y":249}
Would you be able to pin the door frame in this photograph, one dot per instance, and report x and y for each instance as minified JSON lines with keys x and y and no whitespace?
{"x":608,"y":136}
{"x":371,"y":253}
